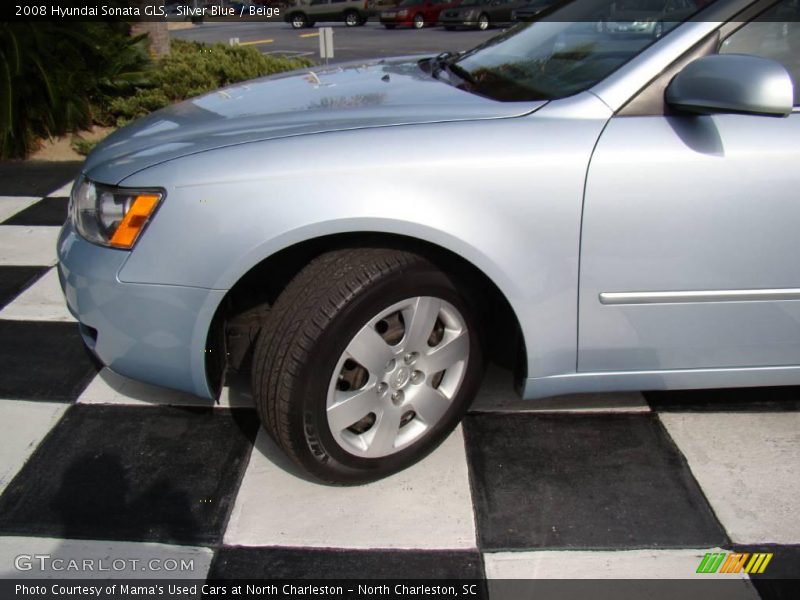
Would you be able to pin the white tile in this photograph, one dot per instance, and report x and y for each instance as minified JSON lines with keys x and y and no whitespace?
{"x":109,"y":387}
{"x":746,"y":465}
{"x":425,"y":506}
{"x":22,"y":426}
{"x":11,"y":205}
{"x":620,"y":564}
{"x":28,"y":246}
{"x":49,"y":558}
{"x":43,"y":301}
{"x":497,"y":395}
{"x":64,"y":190}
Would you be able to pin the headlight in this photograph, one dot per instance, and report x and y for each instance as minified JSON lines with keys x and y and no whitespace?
{"x":111,"y":216}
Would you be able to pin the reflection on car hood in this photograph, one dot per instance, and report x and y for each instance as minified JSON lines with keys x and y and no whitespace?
{"x":375,"y":94}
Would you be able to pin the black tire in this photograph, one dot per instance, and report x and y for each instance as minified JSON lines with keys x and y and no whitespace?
{"x":389,"y":26}
{"x":351,"y":18}
{"x":419,"y":21}
{"x":483,"y":22}
{"x":298,"y":20}
{"x":303,"y":341}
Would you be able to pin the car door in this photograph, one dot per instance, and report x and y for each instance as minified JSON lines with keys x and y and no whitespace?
{"x":337,"y":8}
{"x":502,"y":11}
{"x":432,"y":10}
{"x":705,"y":209}
{"x":320,"y":10}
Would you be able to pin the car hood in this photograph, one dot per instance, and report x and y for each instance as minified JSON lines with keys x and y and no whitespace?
{"x":353,"y":96}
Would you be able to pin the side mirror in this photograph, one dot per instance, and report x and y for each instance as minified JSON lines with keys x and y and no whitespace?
{"x":733,"y":83}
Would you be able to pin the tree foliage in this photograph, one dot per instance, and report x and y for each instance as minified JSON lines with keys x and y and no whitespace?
{"x":53,"y":76}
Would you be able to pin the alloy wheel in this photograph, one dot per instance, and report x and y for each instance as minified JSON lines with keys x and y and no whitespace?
{"x":397,"y":377}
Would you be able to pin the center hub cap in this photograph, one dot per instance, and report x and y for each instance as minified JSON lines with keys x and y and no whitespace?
{"x":400,"y":377}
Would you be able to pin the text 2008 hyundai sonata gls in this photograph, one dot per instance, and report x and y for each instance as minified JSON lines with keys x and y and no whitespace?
{"x":629,"y":206}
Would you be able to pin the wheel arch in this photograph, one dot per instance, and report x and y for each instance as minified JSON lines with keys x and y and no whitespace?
{"x":236,"y":322}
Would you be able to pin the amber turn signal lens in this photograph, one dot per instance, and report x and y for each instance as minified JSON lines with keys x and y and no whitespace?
{"x":135,"y":219}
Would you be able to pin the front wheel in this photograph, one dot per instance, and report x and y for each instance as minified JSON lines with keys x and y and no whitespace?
{"x":366,"y":362}
{"x":419,"y":21}
{"x":351,"y":19}
{"x":483,"y":22}
{"x":298,"y":21}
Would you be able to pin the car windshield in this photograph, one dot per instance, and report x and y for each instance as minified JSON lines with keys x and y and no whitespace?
{"x":568,"y":51}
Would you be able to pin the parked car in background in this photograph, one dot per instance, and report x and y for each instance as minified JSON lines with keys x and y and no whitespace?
{"x":349,"y":12}
{"x":479,"y":14}
{"x":415,"y":13}
{"x":602,"y":214}
{"x":531,"y":9}
{"x":649,"y":18}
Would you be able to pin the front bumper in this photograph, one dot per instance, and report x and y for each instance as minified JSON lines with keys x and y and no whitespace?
{"x":154,"y":333}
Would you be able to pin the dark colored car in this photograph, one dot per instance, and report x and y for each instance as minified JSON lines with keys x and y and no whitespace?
{"x":349,"y":12}
{"x":415,"y":13}
{"x":480,"y":14}
{"x":646,"y":17}
{"x":530,"y":10}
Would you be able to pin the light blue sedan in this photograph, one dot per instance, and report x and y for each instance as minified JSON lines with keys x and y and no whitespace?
{"x":620,"y":213}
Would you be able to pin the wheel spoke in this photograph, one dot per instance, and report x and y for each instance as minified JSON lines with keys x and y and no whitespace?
{"x":430,"y":404}
{"x":445,"y":355}
{"x":386,"y":429}
{"x":370,"y":350}
{"x":420,"y":319}
{"x":351,"y":408}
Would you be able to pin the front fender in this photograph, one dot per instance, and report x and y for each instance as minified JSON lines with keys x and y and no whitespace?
{"x":505,"y":194}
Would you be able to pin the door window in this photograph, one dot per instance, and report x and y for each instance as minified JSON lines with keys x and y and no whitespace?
{"x":774,"y":34}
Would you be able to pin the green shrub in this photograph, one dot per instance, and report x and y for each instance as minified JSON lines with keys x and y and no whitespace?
{"x":192,"y":69}
{"x":54,"y":76}
{"x":82,"y":146}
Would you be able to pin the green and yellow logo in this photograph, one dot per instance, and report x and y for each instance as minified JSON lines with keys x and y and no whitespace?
{"x":734,"y":562}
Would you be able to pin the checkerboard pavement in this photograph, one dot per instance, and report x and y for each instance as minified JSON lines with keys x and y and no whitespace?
{"x":588,"y":486}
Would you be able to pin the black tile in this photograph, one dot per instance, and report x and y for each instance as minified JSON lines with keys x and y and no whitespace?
{"x":43,"y":361}
{"x":583,"y":481}
{"x":48,"y":211}
{"x":35,"y":178}
{"x":13,"y":280}
{"x":327,"y":563}
{"x":154,"y":474}
{"x":781,"y":577}
{"x":761,"y":399}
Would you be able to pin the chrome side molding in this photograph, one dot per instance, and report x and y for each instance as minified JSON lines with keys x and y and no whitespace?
{"x":699,"y":296}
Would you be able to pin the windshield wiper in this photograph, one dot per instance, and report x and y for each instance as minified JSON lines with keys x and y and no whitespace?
{"x":446,"y":62}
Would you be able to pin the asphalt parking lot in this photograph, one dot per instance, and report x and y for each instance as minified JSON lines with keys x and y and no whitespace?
{"x":350,"y":43}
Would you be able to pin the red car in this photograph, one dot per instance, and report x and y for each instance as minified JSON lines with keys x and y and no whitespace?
{"x":416,"y":13}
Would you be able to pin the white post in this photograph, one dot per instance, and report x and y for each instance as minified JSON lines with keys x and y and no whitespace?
{"x":326,"y":43}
